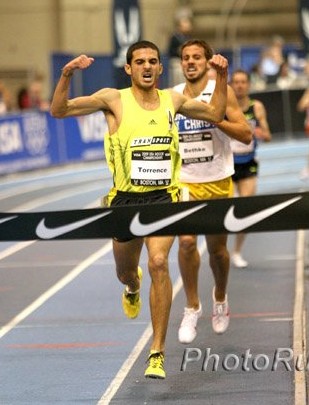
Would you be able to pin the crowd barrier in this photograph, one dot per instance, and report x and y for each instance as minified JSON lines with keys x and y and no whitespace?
{"x":36,"y":140}
{"x":281,"y":108}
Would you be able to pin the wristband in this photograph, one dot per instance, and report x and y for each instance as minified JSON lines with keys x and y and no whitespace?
{"x":67,"y":74}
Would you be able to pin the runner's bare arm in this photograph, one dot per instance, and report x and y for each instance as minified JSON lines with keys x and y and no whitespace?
{"x":303,"y":102}
{"x":235,"y":124}
{"x":62,"y":106}
{"x":262,"y":130}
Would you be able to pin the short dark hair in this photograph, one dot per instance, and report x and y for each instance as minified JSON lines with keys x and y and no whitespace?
{"x":244,"y":72}
{"x":141,"y":45}
{"x":199,"y":42}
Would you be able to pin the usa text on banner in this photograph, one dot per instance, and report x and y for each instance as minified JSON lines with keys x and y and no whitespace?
{"x":252,"y":214}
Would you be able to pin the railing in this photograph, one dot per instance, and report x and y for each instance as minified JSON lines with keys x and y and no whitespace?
{"x":231,"y":12}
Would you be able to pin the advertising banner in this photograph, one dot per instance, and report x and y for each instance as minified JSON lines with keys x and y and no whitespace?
{"x":35,"y":140}
{"x":280,"y":212}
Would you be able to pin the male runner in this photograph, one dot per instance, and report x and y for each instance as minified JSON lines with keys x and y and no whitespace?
{"x":143,"y":138}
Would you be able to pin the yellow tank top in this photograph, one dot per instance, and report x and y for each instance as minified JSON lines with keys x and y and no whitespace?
{"x":143,"y":154}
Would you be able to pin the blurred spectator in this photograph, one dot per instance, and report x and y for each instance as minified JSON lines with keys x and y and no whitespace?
{"x":31,"y":97}
{"x":257,"y":81}
{"x":286,"y":77}
{"x":271,"y":59}
{"x":6,"y":99}
{"x":182,"y":33}
{"x":23,"y":99}
{"x":303,"y":106}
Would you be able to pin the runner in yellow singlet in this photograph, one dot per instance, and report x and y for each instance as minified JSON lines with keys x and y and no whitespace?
{"x":144,"y":157}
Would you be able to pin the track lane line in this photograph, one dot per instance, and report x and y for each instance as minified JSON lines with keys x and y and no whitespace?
{"x":299,"y":324}
{"x":124,"y":370}
{"x":22,"y":245}
{"x":55,"y":288}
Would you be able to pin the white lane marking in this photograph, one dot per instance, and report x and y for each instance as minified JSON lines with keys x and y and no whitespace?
{"x":56,"y":176}
{"x":299,"y":324}
{"x":61,"y":195}
{"x":115,"y":384}
{"x":126,"y":367}
{"x":15,"y":248}
{"x":276,"y":320}
{"x":55,"y":288}
{"x":33,"y":185}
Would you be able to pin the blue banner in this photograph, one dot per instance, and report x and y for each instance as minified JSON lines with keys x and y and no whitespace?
{"x":127,"y":29}
{"x":34,"y":140}
{"x":84,"y":137}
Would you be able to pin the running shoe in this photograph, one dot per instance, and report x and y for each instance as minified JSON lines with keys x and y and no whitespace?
{"x":304,"y":174}
{"x":220,"y":314}
{"x":155,"y":367}
{"x":187,"y":330}
{"x":238,"y":261}
{"x":131,"y":302}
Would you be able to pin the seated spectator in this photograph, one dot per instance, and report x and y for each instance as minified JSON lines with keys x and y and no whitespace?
{"x":287,"y":77}
{"x":23,"y":99}
{"x":257,"y":81}
{"x":31,"y":97}
{"x":6,"y":99}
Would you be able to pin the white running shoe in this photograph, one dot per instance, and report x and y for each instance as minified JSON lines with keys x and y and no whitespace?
{"x":220,"y":314}
{"x":187,"y":330}
{"x":304,"y":174}
{"x":238,"y":261}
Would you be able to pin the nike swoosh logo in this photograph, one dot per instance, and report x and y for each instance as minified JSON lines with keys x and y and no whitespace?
{"x":234,"y":224}
{"x":44,"y":232}
{"x":139,"y":229}
{"x":7,"y":219}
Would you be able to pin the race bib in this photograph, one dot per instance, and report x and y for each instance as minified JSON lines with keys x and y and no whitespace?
{"x":151,"y":168}
{"x":196,"y":148}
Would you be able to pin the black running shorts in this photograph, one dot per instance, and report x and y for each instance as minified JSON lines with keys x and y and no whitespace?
{"x":245,"y":170}
{"x":151,"y":197}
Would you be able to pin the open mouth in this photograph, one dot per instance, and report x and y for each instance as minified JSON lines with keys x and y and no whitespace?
{"x":191,"y":69}
{"x":147,"y":76}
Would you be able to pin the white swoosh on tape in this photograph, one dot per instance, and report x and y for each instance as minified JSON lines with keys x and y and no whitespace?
{"x":7,"y":219}
{"x":44,"y":232}
{"x":139,"y":229}
{"x":234,"y":224}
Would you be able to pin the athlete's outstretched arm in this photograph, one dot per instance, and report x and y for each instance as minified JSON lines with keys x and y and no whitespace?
{"x":62,"y":107}
{"x":215,"y":110}
{"x":235,"y":124}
